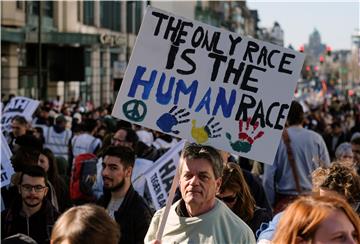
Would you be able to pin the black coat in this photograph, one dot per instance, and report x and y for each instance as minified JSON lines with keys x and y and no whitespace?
{"x":133,"y":216}
{"x":38,"y":226}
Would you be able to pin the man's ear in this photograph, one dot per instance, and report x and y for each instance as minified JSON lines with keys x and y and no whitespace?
{"x":46,"y":191}
{"x":19,"y":189}
{"x":218,"y":184}
{"x":128,"y":171}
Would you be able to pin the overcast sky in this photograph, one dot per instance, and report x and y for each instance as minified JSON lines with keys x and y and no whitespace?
{"x":336,"y":21}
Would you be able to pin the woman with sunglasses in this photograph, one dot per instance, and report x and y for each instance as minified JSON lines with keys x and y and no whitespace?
{"x":235,"y":193}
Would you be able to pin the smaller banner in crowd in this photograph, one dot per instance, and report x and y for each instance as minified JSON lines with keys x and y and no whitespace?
{"x":23,"y":106}
{"x":6,"y":168}
{"x":208,"y":85}
{"x":159,"y":178}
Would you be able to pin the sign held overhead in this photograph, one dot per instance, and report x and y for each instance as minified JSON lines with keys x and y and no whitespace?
{"x":209,"y":85}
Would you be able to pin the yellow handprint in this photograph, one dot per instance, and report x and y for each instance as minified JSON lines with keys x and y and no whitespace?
{"x":199,"y":133}
{"x":203,"y":133}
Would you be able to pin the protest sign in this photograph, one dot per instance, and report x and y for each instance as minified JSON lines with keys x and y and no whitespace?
{"x":209,"y":85}
{"x":23,"y":106}
{"x":159,"y":178}
{"x":6,"y":168}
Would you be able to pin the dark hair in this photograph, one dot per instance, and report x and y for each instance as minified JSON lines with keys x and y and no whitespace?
{"x":20,"y":119}
{"x":126,"y":154}
{"x":131,"y":136}
{"x":198,"y":151}
{"x":89,"y":125}
{"x":33,"y":171}
{"x":123,"y":124}
{"x":53,"y":174}
{"x":296,"y":114}
{"x":233,"y":180}
{"x":27,"y":153}
{"x":355,"y":141}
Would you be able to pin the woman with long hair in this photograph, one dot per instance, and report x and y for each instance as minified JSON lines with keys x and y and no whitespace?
{"x":59,"y":192}
{"x":235,"y":193}
{"x":318,"y":219}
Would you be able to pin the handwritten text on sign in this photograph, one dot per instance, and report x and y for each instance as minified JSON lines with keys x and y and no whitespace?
{"x":23,"y":106}
{"x":209,"y":85}
{"x":159,"y":178}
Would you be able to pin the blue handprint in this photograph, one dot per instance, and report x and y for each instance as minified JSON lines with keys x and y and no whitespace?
{"x":168,"y":120}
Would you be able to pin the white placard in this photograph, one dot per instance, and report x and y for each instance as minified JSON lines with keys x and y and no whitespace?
{"x":6,"y":168}
{"x":23,"y":106}
{"x":159,"y":178}
{"x":209,"y":85}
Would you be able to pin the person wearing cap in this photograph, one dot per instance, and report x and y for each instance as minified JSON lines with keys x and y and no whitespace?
{"x":57,"y":137}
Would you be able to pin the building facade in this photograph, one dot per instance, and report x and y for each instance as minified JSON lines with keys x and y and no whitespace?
{"x":82,"y":46}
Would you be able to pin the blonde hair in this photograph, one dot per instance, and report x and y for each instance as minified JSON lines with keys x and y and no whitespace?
{"x":318,"y":177}
{"x":85,"y":224}
{"x":303,"y":217}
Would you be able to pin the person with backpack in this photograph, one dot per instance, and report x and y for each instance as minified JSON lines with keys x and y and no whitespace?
{"x":120,"y":199}
{"x":86,"y":142}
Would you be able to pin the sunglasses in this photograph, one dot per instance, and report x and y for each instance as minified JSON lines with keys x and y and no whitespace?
{"x":228,"y":199}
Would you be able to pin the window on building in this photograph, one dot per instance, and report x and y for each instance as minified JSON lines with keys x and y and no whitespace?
{"x":87,"y":58}
{"x":110,"y":15}
{"x":35,"y":7}
{"x":88,"y":12}
{"x":134,"y":16}
{"x":79,"y":11}
{"x":19,"y":4}
{"x":48,"y":9}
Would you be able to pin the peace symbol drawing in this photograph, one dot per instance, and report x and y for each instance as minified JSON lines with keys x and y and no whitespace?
{"x":135,"y":110}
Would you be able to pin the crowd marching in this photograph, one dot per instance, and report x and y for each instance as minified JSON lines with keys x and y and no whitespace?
{"x":79,"y":179}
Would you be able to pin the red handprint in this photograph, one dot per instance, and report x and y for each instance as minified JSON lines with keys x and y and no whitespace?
{"x":244,"y":136}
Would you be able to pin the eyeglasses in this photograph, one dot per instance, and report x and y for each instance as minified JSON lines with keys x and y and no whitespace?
{"x":37,"y":188}
{"x":117,"y":139}
{"x":228,"y":199}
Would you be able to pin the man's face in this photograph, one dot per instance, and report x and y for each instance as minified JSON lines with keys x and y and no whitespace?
{"x":33,"y":190}
{"x":18,"y":129}
{"x":114,"y":173}
{"x":356,"y":152}
{"x":119,"y":139}
{"x":198,"y":184}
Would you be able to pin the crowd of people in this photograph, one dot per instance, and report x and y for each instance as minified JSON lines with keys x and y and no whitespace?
{"x":309,"y":193}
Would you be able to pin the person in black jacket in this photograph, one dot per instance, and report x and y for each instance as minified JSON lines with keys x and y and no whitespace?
{"x":31,"y":213}
{"x":120,"y":199}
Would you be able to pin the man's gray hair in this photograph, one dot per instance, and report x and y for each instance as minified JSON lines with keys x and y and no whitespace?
{"x":344,"y":149}
{"x":198,"y":151}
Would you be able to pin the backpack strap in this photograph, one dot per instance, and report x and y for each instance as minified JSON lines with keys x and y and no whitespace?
{"x":291,"y":159}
